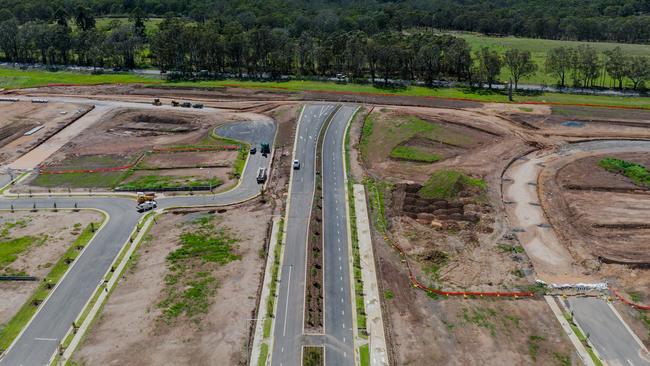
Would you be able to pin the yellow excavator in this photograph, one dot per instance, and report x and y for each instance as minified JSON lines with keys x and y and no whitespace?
{"x":146,"y":197}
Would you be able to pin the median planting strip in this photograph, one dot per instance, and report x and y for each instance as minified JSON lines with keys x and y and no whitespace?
{"x":314,"y":281}
{"x":18,"y":323}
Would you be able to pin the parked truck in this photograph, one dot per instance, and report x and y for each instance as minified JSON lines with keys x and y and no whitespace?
{"x":146,"y":197}
{"x":265,"y":148}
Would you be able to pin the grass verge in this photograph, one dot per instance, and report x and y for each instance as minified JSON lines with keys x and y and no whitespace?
{"x":264,"y":354}
{"x":364,"y":355}
{"x":11,"y":79}
{"x":25,"y":313}
{"x":155,"y":182}
{"x":583,"y":339}
{"x":356,"y":255}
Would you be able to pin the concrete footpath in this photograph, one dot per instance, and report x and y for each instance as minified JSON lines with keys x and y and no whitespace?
{"x":374,"y":320}
{"x":259,"y":340}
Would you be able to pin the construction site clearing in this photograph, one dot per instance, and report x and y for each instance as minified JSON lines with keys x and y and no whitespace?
{"x":442,"y":187}
{"x":130,"y":149}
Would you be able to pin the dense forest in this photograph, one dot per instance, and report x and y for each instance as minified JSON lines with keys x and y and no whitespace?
{"x":271,"y":39}
{"x":614,"y":20}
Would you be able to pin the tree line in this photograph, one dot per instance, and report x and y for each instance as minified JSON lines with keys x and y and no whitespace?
{"x":188,"y":48}
{"x":585,"y":20}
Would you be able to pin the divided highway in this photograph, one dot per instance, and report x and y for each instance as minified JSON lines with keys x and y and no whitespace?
{"x":288,"y":331}
{"x":41,"y":337}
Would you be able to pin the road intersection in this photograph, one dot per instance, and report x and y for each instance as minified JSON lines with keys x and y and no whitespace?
{"x":40,"y":338}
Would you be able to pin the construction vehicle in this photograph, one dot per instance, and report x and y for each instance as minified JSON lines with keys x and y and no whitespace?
{"x":261,"y":175}
{"x":265,"y":148}
{"x":157,"y":102}
{"x":175,"y":103}
{"x":146,"y":197}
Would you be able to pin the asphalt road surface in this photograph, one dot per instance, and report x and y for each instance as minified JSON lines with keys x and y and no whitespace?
{"x":288,"y":331}
{"x":339,"y":347}
{"x":41,"y":337}
{"x":613,"y":341}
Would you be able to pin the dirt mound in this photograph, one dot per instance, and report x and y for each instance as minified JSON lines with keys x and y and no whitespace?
{"x":154,"y":124}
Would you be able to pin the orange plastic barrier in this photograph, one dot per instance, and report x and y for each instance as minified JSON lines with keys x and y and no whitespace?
{"x":626,"y":301}
{"x":417,"y":284}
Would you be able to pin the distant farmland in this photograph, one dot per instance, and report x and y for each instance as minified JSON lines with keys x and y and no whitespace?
{"x":539,"y":47}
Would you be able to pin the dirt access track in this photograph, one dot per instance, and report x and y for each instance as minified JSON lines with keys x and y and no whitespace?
{"x":22,"y":117}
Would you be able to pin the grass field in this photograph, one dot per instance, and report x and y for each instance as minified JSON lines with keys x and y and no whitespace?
{"x":539,"y":48}
{"x":11,"y":79}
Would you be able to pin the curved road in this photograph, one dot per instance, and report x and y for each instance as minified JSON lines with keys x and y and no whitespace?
{"x":615,"y":343}
{"x":40,"y":339}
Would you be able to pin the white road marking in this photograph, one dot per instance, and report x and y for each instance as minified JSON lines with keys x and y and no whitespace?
{"x":47,"y":339}
{"x":286,"y":308}
{"x":343,"y":313}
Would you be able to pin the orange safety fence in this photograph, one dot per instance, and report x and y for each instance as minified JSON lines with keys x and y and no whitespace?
{"x":417,"y":284}
{"x":626,"y":301}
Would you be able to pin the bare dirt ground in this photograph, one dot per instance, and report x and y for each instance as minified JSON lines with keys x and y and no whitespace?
{"x":456,"y":331}
{"x":131,"y":320}
{"x":20,"y":117}
{"x":58,"y":230}
{"x":476,"y":256}
{"x":190,"y":159}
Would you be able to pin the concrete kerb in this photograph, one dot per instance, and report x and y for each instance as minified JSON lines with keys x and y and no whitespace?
{"x":378,"y":351}
{"x":107,"y":217}
{"x":580,"y":348}
{"x":284,"y":235}
{"x":258,"y":339}
{"x":355,"y":327}
{"x":99,"y":303}
{"x":18,"y":179}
